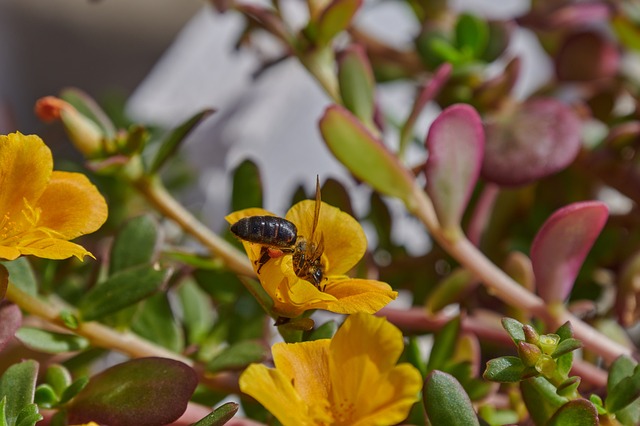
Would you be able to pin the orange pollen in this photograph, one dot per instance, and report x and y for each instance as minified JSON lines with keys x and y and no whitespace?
{"x":343,"y":412}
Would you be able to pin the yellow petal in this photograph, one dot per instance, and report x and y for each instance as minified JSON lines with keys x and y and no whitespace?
{"x":25,"y":169}
{"x":9,"y":253}
{"x":364,"y":334}
{"x":363,"y":354}
{"x":53,"y":248}
{"x":71,"y":205}
{"x":396,"y":392}
{"x":307,"y":364}
{"x":357,"y":295}
{"x":275,"y":392}
{"x":343,"y":237}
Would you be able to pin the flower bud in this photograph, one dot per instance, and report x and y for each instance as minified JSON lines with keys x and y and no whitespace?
{"x":530,"y":334}
{"x":548,"y":343}
{"x":528,"y":353}
{"x":84,"y":133}
{"x":545,"y":365}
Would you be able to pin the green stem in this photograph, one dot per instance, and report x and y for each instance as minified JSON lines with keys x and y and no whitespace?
{"x":156,"y":194}
{"x":98,"y":334}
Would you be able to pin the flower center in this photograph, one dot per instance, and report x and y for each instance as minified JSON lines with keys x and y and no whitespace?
{"x":23,"y":229}
{"x":343,"y":412}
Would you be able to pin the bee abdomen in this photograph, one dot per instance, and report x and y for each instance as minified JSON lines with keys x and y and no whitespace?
{"x":268,"y":230}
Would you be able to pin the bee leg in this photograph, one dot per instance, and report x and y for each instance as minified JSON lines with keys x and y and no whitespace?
{"x":264,"y":258}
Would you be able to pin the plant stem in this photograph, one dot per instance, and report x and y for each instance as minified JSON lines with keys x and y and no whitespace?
{"x":98,"y":334}
{"x":156,"y":194}
{"x":506,"y":289}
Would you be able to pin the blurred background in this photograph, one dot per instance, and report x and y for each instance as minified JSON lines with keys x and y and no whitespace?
{"x":104,"y":47}
{"x":162,"y":61}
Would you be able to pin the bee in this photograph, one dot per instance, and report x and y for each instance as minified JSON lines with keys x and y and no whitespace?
{"x":279,"y":237}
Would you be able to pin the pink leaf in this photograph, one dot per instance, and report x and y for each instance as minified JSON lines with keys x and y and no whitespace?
{"x":534,"y":140}
{"x":10,"y":321}
{"x":561,"y":245}
{"x":455,"y":143}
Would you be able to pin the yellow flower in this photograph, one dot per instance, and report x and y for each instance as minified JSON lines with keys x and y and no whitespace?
{"x":351,"y":379}
{"x":40,"y":210}
{"x":344,"y":245}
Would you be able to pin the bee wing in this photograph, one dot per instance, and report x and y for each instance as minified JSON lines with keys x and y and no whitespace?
{"x":316,"y":213}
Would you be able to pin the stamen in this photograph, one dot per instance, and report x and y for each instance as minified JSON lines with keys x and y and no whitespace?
{"x":25,"y":230}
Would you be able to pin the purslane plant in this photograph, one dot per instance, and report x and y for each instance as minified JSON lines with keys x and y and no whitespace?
{"x":509,"y":193}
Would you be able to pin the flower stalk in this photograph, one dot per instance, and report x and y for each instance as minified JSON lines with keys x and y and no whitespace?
{"x":98,"y":334}
{"x":155,"y":192}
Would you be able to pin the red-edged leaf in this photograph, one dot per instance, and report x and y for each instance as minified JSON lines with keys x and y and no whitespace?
{"x":335,"y":18}
{"x":455,"y":143}
{"x":142,"y":392}
{"x":561,"y":245}
{"x":364,"y":155}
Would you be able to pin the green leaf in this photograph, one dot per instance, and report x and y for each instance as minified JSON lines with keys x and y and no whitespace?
{"x":565,"y":331}
{"x":197,"y":311}
{"x":143,"y":391}
{"x":357,"y":84}
{"x":624,"y":392}
{"x":380,"y":217}
{"x":45,"y":396}
{"x":121,"y":290}
{"x":444,"y":345}
{"x":69,"y":319}
{"x":18,"y":384}
{"x":506,"y":369}
{"x":73,"y":389}
{"x":626,"y":30}
{"x":135,"y":244}
{"x":171,"y":143}
{"x":579,"y":412}
{"x":444,"y":51}
{"x":28,"y":416}
{"x":446,"y":402}
{"x":50,"y":342}
{"x":472,"y":35}
{"x":414,"y":356}
{"x":237,"y":356}
{"x":21,"y":275}
{"x":3,"y":414}
{"x":621,"y":368}
{"x":155,"y":322}
{"x":453,"y":288}
{"x":541,"y":399}
{"x":325,"y":331}
{"x":514,"y":328}
{"x":565,"y":346}
{"x":247,"y":186}
{"x":364,"y":155}
{"x":219,"y":416}
{"x":335,"y":18}
{"x":58,"y":377}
